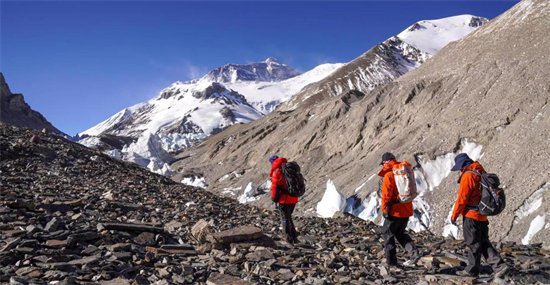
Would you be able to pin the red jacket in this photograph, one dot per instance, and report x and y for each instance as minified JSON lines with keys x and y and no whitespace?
{"x":469,"y":188}
{"x":277,"y":179}
{"x":390,"y":193}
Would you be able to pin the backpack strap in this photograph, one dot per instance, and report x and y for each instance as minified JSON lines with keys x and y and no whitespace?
{"x":474,"y":208}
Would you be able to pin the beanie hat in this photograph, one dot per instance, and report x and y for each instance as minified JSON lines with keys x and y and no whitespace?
{"x":387,"y":156}
{"x":273,"y":158}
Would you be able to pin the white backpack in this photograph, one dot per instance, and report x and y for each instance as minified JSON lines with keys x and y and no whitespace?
{"x":404,"y":179}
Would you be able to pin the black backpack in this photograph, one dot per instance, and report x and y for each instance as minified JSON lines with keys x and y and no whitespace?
{"x":493,"y":199}
{"x":294,"y":179}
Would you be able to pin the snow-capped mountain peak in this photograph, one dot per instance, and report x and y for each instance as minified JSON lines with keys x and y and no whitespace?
{"x":270,"y":70}
{"x":431,"y":36}
{"x":272,"y":60}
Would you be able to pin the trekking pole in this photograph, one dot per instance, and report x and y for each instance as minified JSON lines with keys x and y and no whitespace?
{"x":419,"y":218}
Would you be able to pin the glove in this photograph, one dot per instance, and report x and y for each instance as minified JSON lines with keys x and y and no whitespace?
{"x":385,"y":215}
{"x":453,"y":222}
{"x":275,"y":204}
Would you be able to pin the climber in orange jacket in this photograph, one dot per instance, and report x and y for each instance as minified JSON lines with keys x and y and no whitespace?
{"x":476,"y":226}
{"x":396,"y":215}
{"x":284,"y":203}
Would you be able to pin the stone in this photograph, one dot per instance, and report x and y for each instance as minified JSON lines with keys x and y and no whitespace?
{"x":224,"y":279}
{"x":259,"y":255}
{"x":201,"y":230}
{"x":145,"y":239}
{"x":10,"y":245}
{"x":383,"y":270}
{"x":132,"y":227}
{"x":56,"y":243}
{"x":120,"y":247}
{"x":73,"y":239}
{"x":22,"y":204}
{"x":25,"y":270}
{"x":117,"y":281}
{"x":244,"y":233}
{"x":173,"y":226}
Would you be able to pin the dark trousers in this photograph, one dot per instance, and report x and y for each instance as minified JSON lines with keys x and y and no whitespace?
{"x":476,"y":237}
{"x":285,"y":211}
{"x":394,"y":228}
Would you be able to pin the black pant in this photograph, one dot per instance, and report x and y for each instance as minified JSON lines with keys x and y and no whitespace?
{"x":285,"y":211}
{"x":394,"y":228}
{"x":476,"y":237}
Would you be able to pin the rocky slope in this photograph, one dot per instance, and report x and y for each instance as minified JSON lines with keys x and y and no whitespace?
{"x":72,"y":215}
{"x":14,"y":110}
{"x":390,"y":59}
{"x":486,"y":94}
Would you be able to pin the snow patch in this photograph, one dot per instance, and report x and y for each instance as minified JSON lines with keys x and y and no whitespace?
{"x":371,"y":205}
{"x":195,"y":181}
{"x":332,"y":201}
{"x":249,"y":194}
{"x":531,"y":204}
{"x":537,"y":224}
{"x":432,"y":35}
{"x":231,"y":190}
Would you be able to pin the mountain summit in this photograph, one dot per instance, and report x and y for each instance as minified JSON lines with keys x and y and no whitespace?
{"x":270,"y":70}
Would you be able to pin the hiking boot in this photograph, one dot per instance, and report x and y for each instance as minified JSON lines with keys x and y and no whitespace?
{"x":465,"y":273}
{"x":503,"y":272}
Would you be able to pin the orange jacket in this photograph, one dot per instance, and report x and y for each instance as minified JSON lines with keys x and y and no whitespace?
{"x":390,"y":193}
{"x":469,"y":190}
{"x":278,"y":181}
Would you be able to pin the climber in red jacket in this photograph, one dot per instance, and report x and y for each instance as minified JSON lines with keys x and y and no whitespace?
{"x":284,"y":203}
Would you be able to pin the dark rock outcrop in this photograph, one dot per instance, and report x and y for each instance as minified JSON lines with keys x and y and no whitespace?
{"x":15,"y":111}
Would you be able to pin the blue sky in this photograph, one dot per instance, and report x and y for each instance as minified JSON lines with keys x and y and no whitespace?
{"x":80,"y":62}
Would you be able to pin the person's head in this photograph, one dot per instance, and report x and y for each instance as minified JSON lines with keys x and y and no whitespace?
{"x":462,"y":161}
{"x":387,"y":157}
{"x":273,"y":158}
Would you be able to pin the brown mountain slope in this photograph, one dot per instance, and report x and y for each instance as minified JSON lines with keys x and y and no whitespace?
{"x":491,"y":87}
{"x":15,"y":111}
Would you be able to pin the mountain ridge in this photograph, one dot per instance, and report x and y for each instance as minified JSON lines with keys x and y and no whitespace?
{"x":462,"y":99}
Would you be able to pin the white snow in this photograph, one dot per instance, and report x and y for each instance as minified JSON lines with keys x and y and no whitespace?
{"x":231,"y":190}
{"x":371,"y":205}
{"x":265,"y":96}
{"x":531,"y":204}
{"x":537,"y":224}
{"x":195,"y":181}
{"x":434,"y":171}
{"x":332,"y":201}
{"x":147,"y":151}
{"x":114,"y":153}
{"x":450,"y":230}
{"x":432,"y":35}
{"x":176,"y":142}
{"x":248,"y":195}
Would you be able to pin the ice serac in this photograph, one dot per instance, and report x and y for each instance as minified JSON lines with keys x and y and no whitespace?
{"x":489,"y":87}
{"x":15,"y":111}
